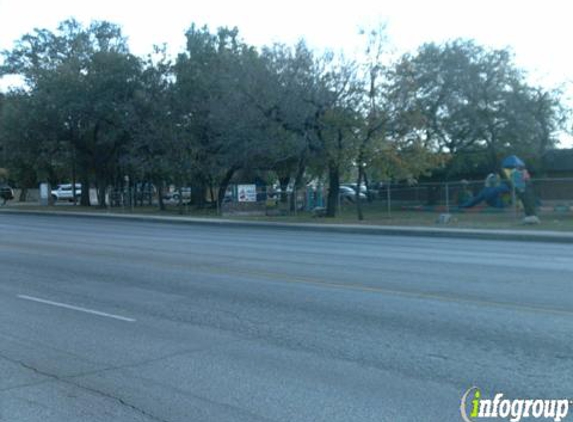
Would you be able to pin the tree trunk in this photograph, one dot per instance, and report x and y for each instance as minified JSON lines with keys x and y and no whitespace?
{"x":369,"y":195}
{"x":198,"y":193}
{"x":180,"y":201}
{"x":358,"y":200}
{"x":141,"y":193}
{"x":101,"y":186}
{"x":23,"y":195}
{"x":495,"y":166}
{"x":284,"y":182}
{"x":224,"y":185}
{"x":211,"y":193}
{"x":298,"y":180}
{"x":160,"y":189}
{"x":333,"y":189}
{"x":85,"y":197}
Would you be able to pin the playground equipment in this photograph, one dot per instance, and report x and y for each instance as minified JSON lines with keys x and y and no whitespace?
{"x":516,"y":173}
{"x":519,"y":185}
{"x":491,"y":194}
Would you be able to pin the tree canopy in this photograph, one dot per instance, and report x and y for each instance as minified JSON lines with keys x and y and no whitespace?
{"x":90,"y":110}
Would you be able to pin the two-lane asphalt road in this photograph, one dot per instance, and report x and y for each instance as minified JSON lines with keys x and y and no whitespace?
{"x":105,"y":320}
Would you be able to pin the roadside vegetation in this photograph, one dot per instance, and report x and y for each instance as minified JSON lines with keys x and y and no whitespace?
{"x":89,"y":111}
{"x":377,"y":215}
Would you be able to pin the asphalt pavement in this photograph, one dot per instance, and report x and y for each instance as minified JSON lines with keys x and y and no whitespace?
{"x":111,"y":320}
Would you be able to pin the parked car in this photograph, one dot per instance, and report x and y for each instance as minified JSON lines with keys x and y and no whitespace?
{"x":371,"y":191}
{"x":363,"y":188}
{"x":6,"y":194}
{"x":65,"y":192}
{"x":348,"y":194}
{"x":172,"y":197}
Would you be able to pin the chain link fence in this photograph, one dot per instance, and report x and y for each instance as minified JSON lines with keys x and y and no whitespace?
{"x":554,"y":195}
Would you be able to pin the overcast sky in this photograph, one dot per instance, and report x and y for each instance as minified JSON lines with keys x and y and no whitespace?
{"x":539,"y":32}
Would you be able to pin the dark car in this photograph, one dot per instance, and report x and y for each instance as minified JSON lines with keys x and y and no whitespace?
{"x":6,"y":194}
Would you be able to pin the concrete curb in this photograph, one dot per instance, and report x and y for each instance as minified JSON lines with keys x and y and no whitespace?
{"x":506,"y":235}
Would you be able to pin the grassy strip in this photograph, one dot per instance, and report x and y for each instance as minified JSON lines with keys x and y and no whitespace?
{"x":375,"y":214}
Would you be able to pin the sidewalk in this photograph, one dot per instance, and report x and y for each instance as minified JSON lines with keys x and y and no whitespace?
{"x":507,"y":235}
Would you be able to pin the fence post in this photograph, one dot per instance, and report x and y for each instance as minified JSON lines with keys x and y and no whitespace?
{"x":514,"y":201}
{"x":389,"y":200}
{"x":447,"y":198}
{"x":294,"y":200}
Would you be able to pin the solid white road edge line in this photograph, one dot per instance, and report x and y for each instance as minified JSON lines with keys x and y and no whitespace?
{"x":76,"y":308}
